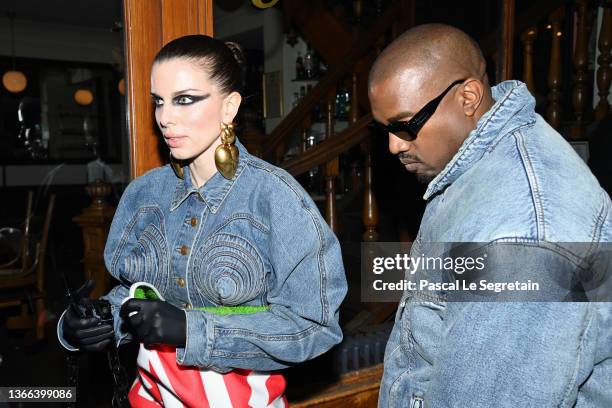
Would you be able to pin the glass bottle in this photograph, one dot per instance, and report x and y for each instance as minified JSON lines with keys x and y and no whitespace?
{"x":309,"y":64}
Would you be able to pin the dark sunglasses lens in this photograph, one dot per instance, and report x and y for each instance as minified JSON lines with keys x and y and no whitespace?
{"x":402,"y":131}
{"x":405,"y":135}
{"x":378,"y":129}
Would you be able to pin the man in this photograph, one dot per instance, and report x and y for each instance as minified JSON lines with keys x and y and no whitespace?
{"x":496,"y":173}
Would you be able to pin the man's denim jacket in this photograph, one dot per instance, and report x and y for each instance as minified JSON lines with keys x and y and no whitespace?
{"x":257,"y":239}
{"x":514,"y":180}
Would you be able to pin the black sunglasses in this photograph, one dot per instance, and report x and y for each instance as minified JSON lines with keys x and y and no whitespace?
{"x":409,"y":130}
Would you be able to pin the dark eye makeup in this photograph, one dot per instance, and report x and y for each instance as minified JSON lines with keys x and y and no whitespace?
{"x":188,"y":99}
{"x":180,"y":100}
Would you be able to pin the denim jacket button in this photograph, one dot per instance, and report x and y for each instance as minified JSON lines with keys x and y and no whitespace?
{"x":181,"y":282}
{"x":187,"y":305}
{"x":193,"y":221}
{"x":184,"y":250}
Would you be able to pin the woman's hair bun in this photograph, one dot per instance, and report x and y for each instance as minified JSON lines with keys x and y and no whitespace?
{"x":236,"y":50}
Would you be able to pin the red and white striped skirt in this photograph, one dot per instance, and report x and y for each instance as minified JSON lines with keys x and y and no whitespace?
{"x":164,"y":383}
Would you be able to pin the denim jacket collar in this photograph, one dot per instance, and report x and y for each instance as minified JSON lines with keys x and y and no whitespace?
{"x":514,"y":108}
{"x":214,"y":191}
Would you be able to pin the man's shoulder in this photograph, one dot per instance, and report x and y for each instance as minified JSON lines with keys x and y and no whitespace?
{"x":534,"y":183}
{"x":567,"y":197}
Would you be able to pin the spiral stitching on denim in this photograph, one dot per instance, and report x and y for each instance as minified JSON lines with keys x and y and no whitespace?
{"x":228,"y":262}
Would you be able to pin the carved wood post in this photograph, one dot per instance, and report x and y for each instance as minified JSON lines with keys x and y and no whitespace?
{"x":354,"y":105}
{"x":553,"y":114}
{"x":580,"y":91}
{"x":332,"y":168}
{"x":506,"y":50}
{"x":357,"y":12}
{"x":528,"y":38}
{"x":95,"y":222}
{"x":604,"y":59}
{"x":370,"y":208}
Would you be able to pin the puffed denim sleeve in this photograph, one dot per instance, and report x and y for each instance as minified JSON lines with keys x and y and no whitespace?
{"x":136,"y":247}
{"x":123,"y":253}
{"x":305,"y":289}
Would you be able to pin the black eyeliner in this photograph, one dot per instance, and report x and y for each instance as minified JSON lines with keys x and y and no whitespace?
{"x":194,"y":98}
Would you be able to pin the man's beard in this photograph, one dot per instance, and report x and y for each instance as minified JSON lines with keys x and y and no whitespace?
{"x":421,"y":178}
{"x":424,"y":178}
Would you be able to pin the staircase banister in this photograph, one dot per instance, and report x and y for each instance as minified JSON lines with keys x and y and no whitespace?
{"x":540,"y":9}
{"x":329,"y":148}
{"x":362,"y":46}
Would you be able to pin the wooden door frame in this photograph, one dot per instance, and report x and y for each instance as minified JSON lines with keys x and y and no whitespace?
{"x":148,"y":26}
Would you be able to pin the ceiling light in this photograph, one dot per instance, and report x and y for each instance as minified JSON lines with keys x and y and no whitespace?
{"x":83,"y":97}
{"x":14,"y":81}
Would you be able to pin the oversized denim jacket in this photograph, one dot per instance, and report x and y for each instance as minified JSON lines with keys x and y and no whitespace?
{"x":257,"y":239}
{"x":514,"y":180}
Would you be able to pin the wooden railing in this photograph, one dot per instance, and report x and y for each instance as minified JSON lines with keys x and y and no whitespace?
{"x":352,"y":68}
{"x":572,"y":123}
{"x":605,"y":58}
{"x":517,"y":29}
{"x":274,"y":148}
{"x":502,"y":39}
{"x":330,"y":148}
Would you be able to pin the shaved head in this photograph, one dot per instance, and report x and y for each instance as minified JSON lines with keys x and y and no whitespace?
{"x":433,"y":52}
{"x":414,"y":71}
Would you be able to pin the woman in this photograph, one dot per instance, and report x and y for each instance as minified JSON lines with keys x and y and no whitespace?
{"x":217,"y":229}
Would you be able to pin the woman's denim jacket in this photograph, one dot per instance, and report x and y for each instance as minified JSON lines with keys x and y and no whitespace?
{"x":516,"y":182}
{"x":257,"y":239}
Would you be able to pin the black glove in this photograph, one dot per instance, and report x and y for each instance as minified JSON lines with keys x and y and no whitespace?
{"x":82,"y":326}
{"x":155,"y":321}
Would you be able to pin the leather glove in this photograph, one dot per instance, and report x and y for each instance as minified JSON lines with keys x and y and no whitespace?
{"x":81,"y":328}
{"x":155,"y":321}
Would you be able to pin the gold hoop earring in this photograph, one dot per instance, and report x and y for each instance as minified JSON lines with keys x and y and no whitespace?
{"x":226,"y":154}
{"x":176,"y":167}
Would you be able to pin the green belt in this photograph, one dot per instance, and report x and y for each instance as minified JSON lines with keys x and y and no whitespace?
{"x":148,"y":293}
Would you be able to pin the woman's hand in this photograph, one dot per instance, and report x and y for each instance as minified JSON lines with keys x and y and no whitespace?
{"x":155,"y":321}
{"x":87,"y":333}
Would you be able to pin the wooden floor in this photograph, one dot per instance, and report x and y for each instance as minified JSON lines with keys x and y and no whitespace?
{"x":358,"y":389}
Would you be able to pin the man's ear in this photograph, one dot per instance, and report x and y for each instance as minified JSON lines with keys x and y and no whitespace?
{"x":473,"y":93}
{"x":231,"y":103}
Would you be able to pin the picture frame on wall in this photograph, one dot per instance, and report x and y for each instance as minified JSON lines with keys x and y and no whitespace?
{"x":272,"y":86}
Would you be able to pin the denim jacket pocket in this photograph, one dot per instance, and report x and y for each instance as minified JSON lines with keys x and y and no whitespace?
{"x":228,"y":270}
{"x":148,"y":260}
{"x":421,"y":324}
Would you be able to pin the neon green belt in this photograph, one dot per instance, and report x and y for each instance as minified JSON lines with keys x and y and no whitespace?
{"x":144,"y":292}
